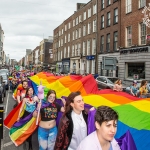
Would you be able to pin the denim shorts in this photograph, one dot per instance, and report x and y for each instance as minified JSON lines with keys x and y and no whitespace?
{"x":47,"y":138}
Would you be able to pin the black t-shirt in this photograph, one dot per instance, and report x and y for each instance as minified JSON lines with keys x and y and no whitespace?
{"x":50,"y":112}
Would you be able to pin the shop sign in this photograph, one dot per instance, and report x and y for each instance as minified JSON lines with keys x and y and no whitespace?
{"x":134,"y":50}
{"x":90,"y":57}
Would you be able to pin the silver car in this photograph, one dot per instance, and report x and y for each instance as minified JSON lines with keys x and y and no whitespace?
{"x":104,"y":82}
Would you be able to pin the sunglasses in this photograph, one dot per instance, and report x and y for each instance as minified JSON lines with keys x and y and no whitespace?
{"x":51,"y":97}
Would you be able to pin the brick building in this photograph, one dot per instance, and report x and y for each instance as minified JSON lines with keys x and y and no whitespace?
{"x":108,"y":38}
{"x":75,"y":41}
{"x":134,"y":57}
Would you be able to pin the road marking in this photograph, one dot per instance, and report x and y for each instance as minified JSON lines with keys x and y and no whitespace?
{"x":7,"y":144}
{"x":6,"y":105}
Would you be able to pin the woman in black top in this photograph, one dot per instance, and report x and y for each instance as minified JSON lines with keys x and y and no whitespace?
{"x":47,"y":130}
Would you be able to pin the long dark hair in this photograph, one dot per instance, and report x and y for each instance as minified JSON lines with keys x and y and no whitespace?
{"x":143,"y":82}
{"x":27,"y":90}
{"x":50,"y":92}
{"x":70,"y":99}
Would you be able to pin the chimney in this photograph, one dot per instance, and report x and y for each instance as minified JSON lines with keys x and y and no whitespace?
{"x":80,"y":5}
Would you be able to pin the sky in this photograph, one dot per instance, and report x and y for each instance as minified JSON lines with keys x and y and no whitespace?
{"x":27,"y":22}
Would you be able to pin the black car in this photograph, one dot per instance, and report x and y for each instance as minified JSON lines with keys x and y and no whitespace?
{"x":2,"y":90}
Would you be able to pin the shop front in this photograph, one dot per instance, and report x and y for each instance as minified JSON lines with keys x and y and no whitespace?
{"x":58,"y":67}
{"x":134,"y":63}
{"x":66,"y":65}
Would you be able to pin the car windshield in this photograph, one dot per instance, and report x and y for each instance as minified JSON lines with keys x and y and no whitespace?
{"x":112,"y":80}
{"x":4,"y":77}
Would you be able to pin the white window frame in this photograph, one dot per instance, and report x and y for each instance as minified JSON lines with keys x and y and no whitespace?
{"x":76,"y":49}
{"x":80,"y":19}
{"x":142,"y":29}
{"x":102,"y":22}
{"x":68,"y":51}
{"x":115,"y":15}
{"x":142,"y":3}
{"x":93,"y":46}
{"x":89,"y":28}
{"x":79,"y":49}
{"x":94,"y":25}
{"x":94,"y":9}
{"x":68,"y":37}
{"x":73,"y":22}
{"x":65,"y":27}
{"x":76,"y":34}
{"x":77,"y":21}
{"x":89,"y":12}
{"x":65,"y":52}
{"x":128,"y":36}
{"x":93,"y":67}
{"x":72,"y":50}
{"x":84,"y":18}
{"x":65,"y":38}
{"x":88,"y":47}
{"x":84,"y":44}
{"x":84,"y":30}
{"x":128,"y":6}
{"x":108,"y":19}
{"x":73,"y":35}
{"x":79,"y":32}
{"x":87,"y":66}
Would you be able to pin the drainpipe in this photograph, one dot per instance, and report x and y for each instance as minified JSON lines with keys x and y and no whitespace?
{"x":96,"y":39}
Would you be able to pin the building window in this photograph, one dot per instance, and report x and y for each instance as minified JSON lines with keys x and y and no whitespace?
{"x":60,"y":54}
{"x":76,"y":34}
{"x":89,"y":12}
{"x":89,"y":28}
{"x":69,"y":25}
{"x":68,"y":51}
{"x":108,"y":2}
{"x":129,"y":36}
{"x":65,"y":52}
{"x":62,"y":31}
{"x":108,"y":19}
{"x":79,"y":49}
{"x":108,"y":43}
{"x":102,"y":22}
{"x":69,"y":37}
{"x":84,"y":44}
{"x":88,"y":66}
{"x":94,"y":25}
{"x":76,"y":20}
{"x":93,"y":67}
{"x":84,"y":16}
{"x":88,"y":47}
{"x":115,"y":40}
{"x":72,"y":50}
{"x":73,"y":22}
{"x":80,"y":20}
{"x":65,"y":27}
{"x":115,"y":15}
{"x":143,"y":33}
{"x":73,"y":35}
{"x":84,"y":30}
{"x":142,"y":3}
{"x":94,"y":9}
{"x":135,"y":68}
{"x":65,"y":38}
{"x":61,"y":42}
{"x":102,"y":44}
{"x":102,"y":4}
{"x":93,"y":47}
{"x":79,"y":32}
{"x":76,"y":50}
{"x":128,"y":6}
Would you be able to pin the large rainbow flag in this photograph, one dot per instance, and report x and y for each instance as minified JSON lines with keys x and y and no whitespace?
{"x":134,"y":113}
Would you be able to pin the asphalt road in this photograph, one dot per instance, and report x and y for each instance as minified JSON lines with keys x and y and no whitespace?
{"x":7,"y":144}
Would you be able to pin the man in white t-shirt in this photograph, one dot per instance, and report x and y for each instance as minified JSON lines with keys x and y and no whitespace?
{"x":106,"y":126}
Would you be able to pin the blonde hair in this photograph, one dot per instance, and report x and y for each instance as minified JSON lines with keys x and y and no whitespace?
{"x":117,"y":82}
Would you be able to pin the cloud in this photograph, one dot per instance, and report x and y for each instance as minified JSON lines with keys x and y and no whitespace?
{"x":26,"y":22}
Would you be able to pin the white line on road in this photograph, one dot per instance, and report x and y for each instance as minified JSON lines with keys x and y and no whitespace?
{"x":6,"y":105}
{"x":7,"y":144}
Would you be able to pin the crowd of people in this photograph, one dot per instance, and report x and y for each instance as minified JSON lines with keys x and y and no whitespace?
{"x":141,"y":92}
{"x":72,"y":132}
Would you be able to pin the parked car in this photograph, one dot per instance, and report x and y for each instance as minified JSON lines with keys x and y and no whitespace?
{"x":3,"y":71}
{"x":2,"y":90}
{"x":104,"y":82}
{"x":5,"y":80}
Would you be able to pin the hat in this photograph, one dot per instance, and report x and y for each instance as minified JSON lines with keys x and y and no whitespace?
{"x":134,"y":82}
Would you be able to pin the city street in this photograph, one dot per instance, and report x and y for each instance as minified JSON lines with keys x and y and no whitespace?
{"x":7,"y":144}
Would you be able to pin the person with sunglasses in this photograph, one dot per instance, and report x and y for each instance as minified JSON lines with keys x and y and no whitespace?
{"x":47,"y":130}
